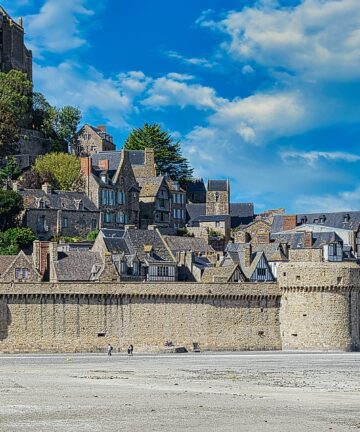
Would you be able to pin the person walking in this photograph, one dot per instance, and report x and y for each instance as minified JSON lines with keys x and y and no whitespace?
{"x":109,"y":350}
{"x":131,"y":349}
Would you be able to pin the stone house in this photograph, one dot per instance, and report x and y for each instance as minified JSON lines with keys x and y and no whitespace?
{"x":91,"y":140}
{"x":18,"y":268}
{"x":13,"y":52}
{"x":218,"y":197}
{"x":138,"y":255}
{"x":224,"y":274}
{"x":215,"y":225}
{"x":178,"y":204}
{"x":52,"y":213}
{"x":111,"y":185}
{"x":155,"y":202}
{"x":143,"y":162}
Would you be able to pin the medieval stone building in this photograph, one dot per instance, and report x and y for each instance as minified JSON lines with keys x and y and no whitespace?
{"x":13,"y":52}
{"x":111,"y":185}
{"x":91,"y":140}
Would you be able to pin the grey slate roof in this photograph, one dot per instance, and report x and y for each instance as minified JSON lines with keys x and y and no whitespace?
{"x":132,"y":242}
{"x":184,"y":244}
{"x":196,"y":185}
{"x":272,"y":251}
{"x":211,"y":218}
{"x":296,"y":239}
{"x":76,"y":265}
{"x":241,"y":213}
{"x":334,"y":220}
{"x":137,"y":157}
{"x":57,"y":200}
{"x":217,"y":185}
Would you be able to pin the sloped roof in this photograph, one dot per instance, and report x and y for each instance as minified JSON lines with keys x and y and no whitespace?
{"x":333,"y":220}
{"x":195,"y":185}
{"x":150,"y":186}
{"x":5,"y":262}
{"x":137,"y":157}
{"x":76,"y":265}
{"x":295,"y":239}
{"x":114,"y":158}
{"x":57,"y":200}
{"x":273,"y":251}
{"x":219,"y":274}
{"x":184,"y":244}
{"x":241,"y":213}
{"x":217,"y":185}
{"x":211,"y":218}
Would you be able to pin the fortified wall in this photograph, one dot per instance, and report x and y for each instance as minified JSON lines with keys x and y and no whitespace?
{"x":314,"y":306}
{"x":87,"y":316}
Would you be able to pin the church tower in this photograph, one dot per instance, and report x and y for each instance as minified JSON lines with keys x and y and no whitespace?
{"x":218,"y":197}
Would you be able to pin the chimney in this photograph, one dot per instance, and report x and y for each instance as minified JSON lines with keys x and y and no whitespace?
{"x":85,"y":166}
{"x":289,"y":222}
{"x":308,"y":239}
{"x":241,"y":237}
{"x":104,"y":164}
{"x":108,"y":273}
{"x":151,"y":227}
{"x":53,"y":258}
{"x":46,"y":187}
{"x":247,"y":255}
{"x":16,"y":187}
{"x":129,"y":227}
{"x":102,"y":128}
{"x":21,"y":23}
{"x":40,"y":255}
{"x":150,"y":162}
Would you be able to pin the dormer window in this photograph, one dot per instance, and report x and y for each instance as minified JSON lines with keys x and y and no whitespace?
{"x":217,"y":197}
{"x":104,"y":178}
{"x":40,"y":203}
{"x":322,"y":219}
{"x":303,"y":220}
{"x":79,"y":205}
{"x":346,"y":218}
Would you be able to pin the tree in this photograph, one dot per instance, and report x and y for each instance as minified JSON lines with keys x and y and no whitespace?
{"x":33,"y":180}
{"x":64,"y":168}
{"x":9,"y":132}
{"x":16,"y":94}
{"x":9,"y":172}
{"x":14,"y":239}
{"x":11,"y":204}
{"x":168,"y":157}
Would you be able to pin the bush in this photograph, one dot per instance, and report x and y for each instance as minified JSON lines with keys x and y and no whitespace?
{"x":14,"y":239}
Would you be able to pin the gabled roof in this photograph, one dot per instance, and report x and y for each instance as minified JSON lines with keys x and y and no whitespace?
{"x":76,"y":265}
{"x":273,"y":251}
{"x":57,"y":200}
{"x":220,"y":274}
{"x":114,"y":158}
{"x":211,"y":218}
{"x":241,"y":213}
{"x":150,"y":186}
{"x":295,"y":239}
{"x":137,"y":157}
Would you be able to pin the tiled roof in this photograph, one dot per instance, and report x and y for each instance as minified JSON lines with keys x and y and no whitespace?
{"x":114,"y":158}
{"x":149,"y":186}
{"x":219,"y":274}
{"x":5,"y":261}
{"x":184,"y":244}
{"x":57,"y":200}
{"x":211,"y":218}
{"x":196,"y":185}
{"x":217,"y":185}
{"x":296,"y":239}
{"x":76,"y":265}
{"x":273,"y":251}
{"x":241,"y":213}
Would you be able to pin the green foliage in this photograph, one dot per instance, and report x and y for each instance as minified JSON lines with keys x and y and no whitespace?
{"x":9,"y":172}
{"x":213,"y":233}
{"x":14,"y":239}
{"x":11,"y":204}
{"x":167,"y":152}
{"x":92,"y":235}
{"x":64,"y":168}
{"x":9,"y":132}
{"x":16,"y":94}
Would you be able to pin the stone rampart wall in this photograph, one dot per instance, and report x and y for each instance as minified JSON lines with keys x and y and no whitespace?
{"x":87,"y":316}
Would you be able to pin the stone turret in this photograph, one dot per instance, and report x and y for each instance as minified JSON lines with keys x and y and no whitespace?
{"x":218,"y":197}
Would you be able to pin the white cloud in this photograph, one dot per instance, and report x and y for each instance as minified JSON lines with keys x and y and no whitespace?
{"x":180,"y":77}
{"x":315,"y":39}
{"x":311,"y":157}
{"x":343,"y":201}
{"x":56,"y":28}
{"x":194,"y":61}
{"x":165,"y":92}
{"x":247,"y":70}
{"x":85,"y":88}
{"x":134,"y":82}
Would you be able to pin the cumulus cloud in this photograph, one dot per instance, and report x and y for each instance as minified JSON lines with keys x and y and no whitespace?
{"x":56,"y":28}
{"x":311,"y":157}
{"x":86,"y":88}
{"x":167,"y":91}
{"x":315,"y":39}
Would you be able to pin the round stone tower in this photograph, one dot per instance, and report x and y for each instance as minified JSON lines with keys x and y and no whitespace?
{"x":320,"y":305}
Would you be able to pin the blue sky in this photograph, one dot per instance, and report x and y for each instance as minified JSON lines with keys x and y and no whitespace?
{"x":262,"y":92}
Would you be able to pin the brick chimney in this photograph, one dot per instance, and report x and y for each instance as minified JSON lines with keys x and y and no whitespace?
{"x":289,"y":222}
{"x":102,"y":128}
{"x":40,"y":255}
{"x":104,"y":164}
{"x":85,"y":166}
{"x":46,"y":187}
{"x":308,"y":239}
{"x":247,"y":255}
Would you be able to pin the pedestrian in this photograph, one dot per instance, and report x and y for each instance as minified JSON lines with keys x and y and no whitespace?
{"x":131,"y":349}
{"x":109,"y":350}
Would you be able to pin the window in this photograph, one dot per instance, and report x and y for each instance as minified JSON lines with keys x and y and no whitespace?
{"x":104,"y":197}
{"x":107,"y":217}
{"x":163,"y":271}
{"x":174,"y":213}
{"x":65,"y":222}
{"x":217,"y":224}
{"x":216,"y":197}
{"x":261,"y":271}
{"x":135,"y":269}
{"x":162,"y":203}
{"x":120,"y":218}
{"x":335,"y":249}
{"x":346,"y":218}
{"x":111,"y":197}
{"x":93,"y":224}
{"x":22,"y":273}
{"x":120,"y":197}
{"x":126,"y":219}
{"x":104,"y":178}
{"x":80,"y":205}
{"x":41,"y":204}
